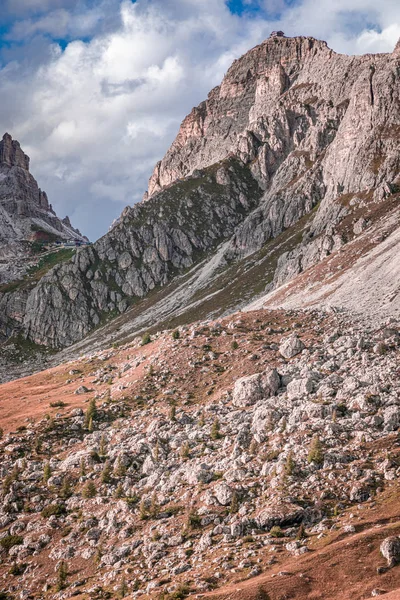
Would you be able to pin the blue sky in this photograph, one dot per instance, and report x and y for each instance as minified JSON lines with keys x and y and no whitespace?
{"x":95,"y":90}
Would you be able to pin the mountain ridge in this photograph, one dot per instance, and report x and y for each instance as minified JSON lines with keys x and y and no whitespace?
{"x":305,"y":144}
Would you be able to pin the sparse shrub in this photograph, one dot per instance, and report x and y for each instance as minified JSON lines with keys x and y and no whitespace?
{"x":234,"y":345}
{"x":132,"y":500}
{"x":58,"y":404}
{"x":182,"y":591}
{"x":83,"y":467}
{"x":261,"y":594}
{"x":202,"y":419}
{"x":315,"y":454}
{"x":276,"y":532}
{"x":1,"y":432}
{"x":89,"y":490}
{"x":46,"y":472}
{"x":53,"y":509}
{"x":193,"y":520}
{"x":146,"y":339}
{"x":9,"y":541}
{"x":94,"y":455}
{"x":17,"y":569}
{"x":176,"y":335}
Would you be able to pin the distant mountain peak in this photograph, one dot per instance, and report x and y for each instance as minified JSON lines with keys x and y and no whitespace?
{"x":25,"y":212}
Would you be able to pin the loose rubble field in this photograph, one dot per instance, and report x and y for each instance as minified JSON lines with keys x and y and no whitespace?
{"x":254,"y":457}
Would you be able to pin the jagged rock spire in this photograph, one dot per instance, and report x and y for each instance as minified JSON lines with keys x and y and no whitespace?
{"x":11,"y":153}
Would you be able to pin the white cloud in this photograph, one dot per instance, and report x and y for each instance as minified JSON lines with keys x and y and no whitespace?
{"x":97,"y":116}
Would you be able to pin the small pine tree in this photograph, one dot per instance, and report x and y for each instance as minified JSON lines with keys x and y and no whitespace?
{"x":185,"y":450}
{"x":119,"y":492}
{"x":89,"y":490}
{"x":90,"y":413}
{"x":120,"y":469}
{"x":9,"y":479}
{"x":154,"y":506}
{"x":234,"y":345}
{"x":106,"y":473}
{"x":202,"y":419}
{"x":1,"y":432}
{"x":123,"y":589}
{"x":83,"y":467}
{"x":215,"y":430}
{"x":176,"y":335}
{"x":65,"y":490}
{"x":290,"y":465}
{"x":253,"y":447}
{"x":98,"y":555}
{"x":46,"y":472}
{"x":62,"y":575}
{"x":234,"y":504}
{"x":315,"y":454}
{"x":301,"y":533}
{"x":37,"y":445}
{"x":172,"y":413}
{"x":103,"y":446}
{"x":156,"y":453}
{"x":143,"y":510}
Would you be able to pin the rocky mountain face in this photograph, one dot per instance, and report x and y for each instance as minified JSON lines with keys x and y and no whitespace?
{"x":293,"y":156}
{"x":25,"y":213}
{"x":258,"y":454}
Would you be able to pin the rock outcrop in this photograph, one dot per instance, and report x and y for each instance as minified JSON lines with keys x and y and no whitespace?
{"x":298,"y":143}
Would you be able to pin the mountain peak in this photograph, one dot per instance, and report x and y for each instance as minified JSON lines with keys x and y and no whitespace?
{"x":11,"y":153}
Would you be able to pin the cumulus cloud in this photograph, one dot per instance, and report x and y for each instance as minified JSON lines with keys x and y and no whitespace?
{"x":96,"y":115}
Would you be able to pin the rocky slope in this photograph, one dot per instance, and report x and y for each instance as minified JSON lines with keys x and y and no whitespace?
{"x":256,"y":456}
{"x":293,"y":156}
{"x":25,"y":213}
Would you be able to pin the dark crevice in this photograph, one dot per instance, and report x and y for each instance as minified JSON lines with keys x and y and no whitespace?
{"x":371,"y":89}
